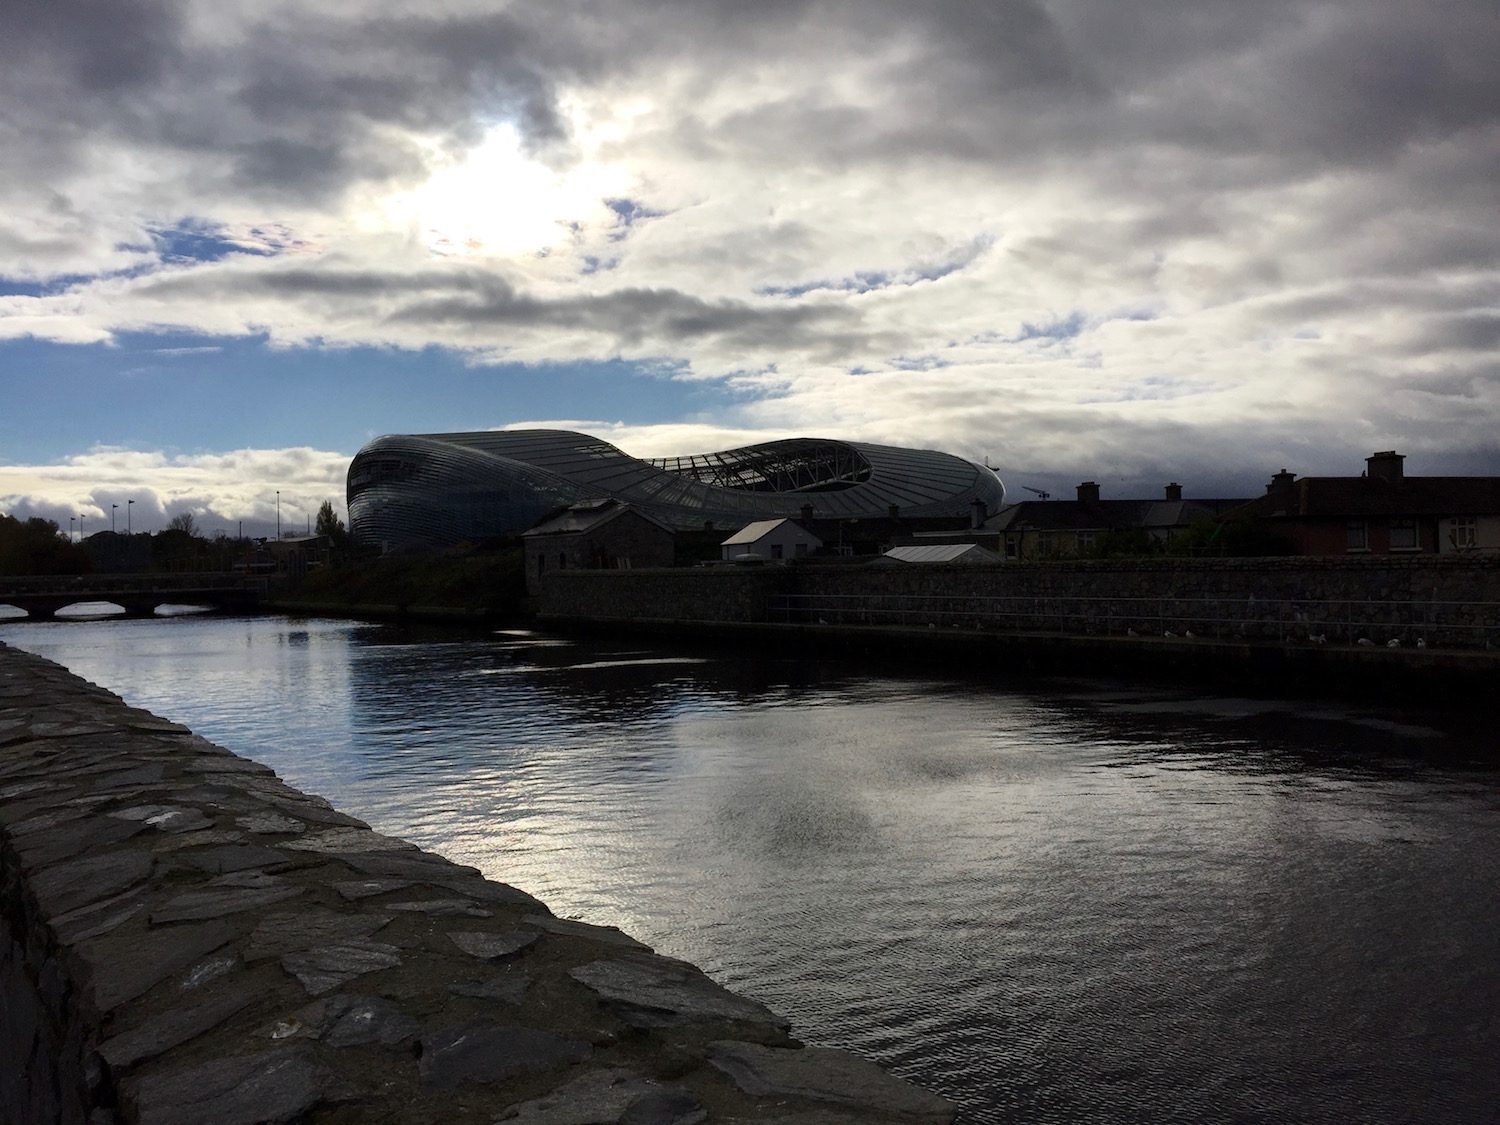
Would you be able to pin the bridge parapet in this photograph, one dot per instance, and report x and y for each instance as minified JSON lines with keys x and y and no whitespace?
{"x":137,"y":594}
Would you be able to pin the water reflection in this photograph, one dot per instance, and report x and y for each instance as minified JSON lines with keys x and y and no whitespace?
{"x":1085,"y":903}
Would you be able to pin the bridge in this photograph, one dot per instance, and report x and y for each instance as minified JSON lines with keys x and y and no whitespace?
{"x":138,"y":595}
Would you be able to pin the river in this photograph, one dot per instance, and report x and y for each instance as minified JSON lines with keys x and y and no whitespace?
{"x":1071,"y":901}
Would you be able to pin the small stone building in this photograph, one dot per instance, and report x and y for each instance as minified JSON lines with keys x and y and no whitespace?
{"x":595,"y":535}
{"x":771,"y":540}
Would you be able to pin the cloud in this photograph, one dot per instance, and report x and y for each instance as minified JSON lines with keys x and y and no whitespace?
{"x":1064,"y":234}
{"x":148,"y":488}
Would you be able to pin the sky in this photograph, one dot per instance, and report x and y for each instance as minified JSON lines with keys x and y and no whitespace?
{"x":1128,"y":243}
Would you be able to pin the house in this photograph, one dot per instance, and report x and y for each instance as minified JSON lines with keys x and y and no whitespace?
{"x":595,"y":535}
{"x":958,"y":554}
{"x":1381,"y":512}
{"x":771,"y":539}
{"x":1042,"y":529}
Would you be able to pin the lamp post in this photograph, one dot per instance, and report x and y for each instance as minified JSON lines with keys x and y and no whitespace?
{"x":128,"y":505}
{"x":112,"y":508}
{"x":278,"y":515}
{"x":70,"y":530}
{"x":80,"y":527}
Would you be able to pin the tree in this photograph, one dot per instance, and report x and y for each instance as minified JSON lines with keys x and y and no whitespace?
{"x":329,"y":524}
{"x":184,"y":521}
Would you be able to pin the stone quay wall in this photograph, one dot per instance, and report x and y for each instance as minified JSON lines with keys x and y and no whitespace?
{"x":1441,"y":601}
{"x":185,"y":938}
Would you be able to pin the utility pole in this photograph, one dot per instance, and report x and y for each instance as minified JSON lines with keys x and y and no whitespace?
{"x":278,"y":515}
{"x":129,"y":504}
{"x":112,"y":508}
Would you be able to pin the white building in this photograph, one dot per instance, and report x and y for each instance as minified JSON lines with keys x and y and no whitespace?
{"x":771,"y":539}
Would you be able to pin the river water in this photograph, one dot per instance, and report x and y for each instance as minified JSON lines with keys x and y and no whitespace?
{"x":1062,"y":902}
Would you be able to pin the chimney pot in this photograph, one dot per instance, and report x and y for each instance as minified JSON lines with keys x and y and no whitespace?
{"x":1088,"y":493}
{"x":1174,"y":491}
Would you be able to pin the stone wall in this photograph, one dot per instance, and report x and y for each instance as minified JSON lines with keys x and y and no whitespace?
{"x":186,"y":939}
{"x":1454,"y":602}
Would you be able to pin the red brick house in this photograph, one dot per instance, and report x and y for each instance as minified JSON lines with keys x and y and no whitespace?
{"x":1382,"y":512}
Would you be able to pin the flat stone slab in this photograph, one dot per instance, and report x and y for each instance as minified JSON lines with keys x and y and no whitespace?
{"x":173,"y":1028}
{"x":824,"y":1074}
{"x":610,"y":935}
{"x":126,"y":967}
{"x":264,"y":1089}
{"x":236,"y":857}
{"x":657,"y":992}
{"x":356,"y":889}
{"x":492,"y":947}
{"x":287,"y":933}
{"x":440,"y":907}
{"x":216,"y":903}
{"x":79,"y":882}
{"x":270,"y":824}
{"x":327,"y":967}
{"x":508,"y":988}
{"x":482,"y":1052}
{"x":609,"y":1097}
{"x":367,"y":1019}
{"x":344,"y":841}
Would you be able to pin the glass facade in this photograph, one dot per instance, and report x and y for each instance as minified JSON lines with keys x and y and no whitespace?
{"x":441,"y":489}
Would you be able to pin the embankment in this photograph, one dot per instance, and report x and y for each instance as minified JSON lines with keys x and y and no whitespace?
{"x":1422,"y":627}
{"x":185,"y":938}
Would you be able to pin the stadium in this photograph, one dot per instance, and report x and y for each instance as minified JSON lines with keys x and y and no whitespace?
{"x":443,"y":489}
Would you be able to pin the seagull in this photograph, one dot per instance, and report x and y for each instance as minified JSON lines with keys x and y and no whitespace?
{"x":1421,"y":642}
{"x":1364,"y":641}
{"x":1168,"y":633}
{"x":1189,"y":634}
{"x":822,"y":621}
{"x":1129,"y":632}
{"x":1394,"y":642}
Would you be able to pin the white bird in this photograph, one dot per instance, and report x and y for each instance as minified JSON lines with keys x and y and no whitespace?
{"x":1129,"y":632}
{"x":1394,"y":642}
{"x":1168,"y":633}
{"x":1189,"y":634}
{"x":1365,"y":641}
{"x":1319,"y":639}
{"x":822,"y":621}
{"x":1421,"y":642}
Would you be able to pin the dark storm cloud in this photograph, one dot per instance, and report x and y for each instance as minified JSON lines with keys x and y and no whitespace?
{"x":442,"y":301}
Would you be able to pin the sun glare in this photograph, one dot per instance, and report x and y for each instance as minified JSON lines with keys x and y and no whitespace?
{"x":497,"y":201}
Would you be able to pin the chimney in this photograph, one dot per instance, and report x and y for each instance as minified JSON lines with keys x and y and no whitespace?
{"x":1088,"y":493}
{"x":1174,"y":491}
{"x":1280,"y":490}
{"x":806,"y":513}
{"x":894,"y":511}
{"x":1385,"y":466}
{"x":977,"y":514}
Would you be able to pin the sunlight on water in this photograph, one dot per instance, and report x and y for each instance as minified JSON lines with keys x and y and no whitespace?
{"x":1080,"y":904}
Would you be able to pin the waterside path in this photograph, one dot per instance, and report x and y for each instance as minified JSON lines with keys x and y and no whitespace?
{"x":185,"y":938}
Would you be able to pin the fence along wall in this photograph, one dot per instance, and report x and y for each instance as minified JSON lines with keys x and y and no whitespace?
{"x":1440,"y":602}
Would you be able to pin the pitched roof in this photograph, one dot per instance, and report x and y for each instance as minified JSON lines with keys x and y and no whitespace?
{"x":755,"y":532}
{"x":587,"y":515}
{"x":1106,"y":515}
{"x":1344,"y":497}
{"x":942,"y":553}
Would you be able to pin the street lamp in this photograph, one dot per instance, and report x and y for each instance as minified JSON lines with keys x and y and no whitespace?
{"x":112,"y":508}
{"x":128,"y":504}
{"x":278,"y":515}
{"x":70,"y":530}
{"x":80,"y":527}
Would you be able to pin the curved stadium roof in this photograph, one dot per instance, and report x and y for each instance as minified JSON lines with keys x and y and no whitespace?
{"x":447,"y":488}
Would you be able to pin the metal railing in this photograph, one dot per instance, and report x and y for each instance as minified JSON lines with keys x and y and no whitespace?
{"x":1348,"y":621}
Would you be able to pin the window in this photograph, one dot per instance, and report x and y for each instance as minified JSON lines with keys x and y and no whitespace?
{"x":1012,"y":546}
{"x":801,"y":551}
{"x":1359,"y":536}
{"x":1044,"y":545}
{"x":1085,"y":541}
{"x":776,"y":550}
{"x":1463,"y":532}
{"x":1404,"y":535}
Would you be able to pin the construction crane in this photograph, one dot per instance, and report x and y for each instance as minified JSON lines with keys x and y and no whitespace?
{"x":1040,"y":495}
